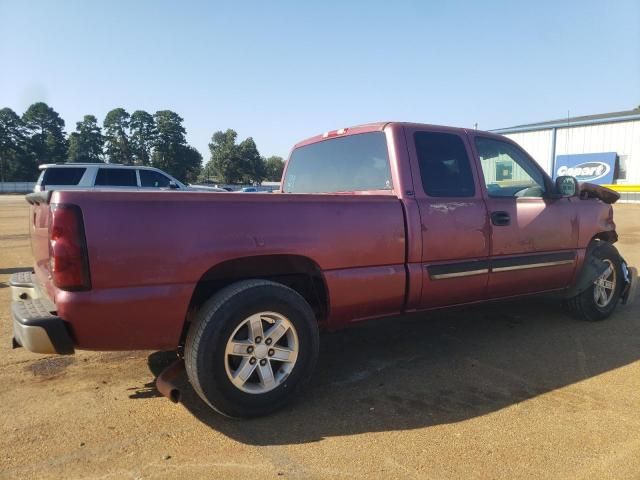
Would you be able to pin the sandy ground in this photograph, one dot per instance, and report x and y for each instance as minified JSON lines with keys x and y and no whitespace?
{"x":516,"y":390}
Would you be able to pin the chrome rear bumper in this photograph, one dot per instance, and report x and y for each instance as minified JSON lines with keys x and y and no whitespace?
{"x":36,"y":327}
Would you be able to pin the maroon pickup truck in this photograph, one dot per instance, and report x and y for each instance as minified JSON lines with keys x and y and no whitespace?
{"x":371,"y":221}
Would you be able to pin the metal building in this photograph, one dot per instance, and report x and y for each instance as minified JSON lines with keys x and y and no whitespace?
{"x":602,"y":149}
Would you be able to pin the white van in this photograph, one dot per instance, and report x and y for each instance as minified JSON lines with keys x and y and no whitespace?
{"x":67,"y":176}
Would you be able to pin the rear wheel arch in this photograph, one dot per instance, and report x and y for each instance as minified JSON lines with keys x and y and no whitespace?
{"x":294,"y":271}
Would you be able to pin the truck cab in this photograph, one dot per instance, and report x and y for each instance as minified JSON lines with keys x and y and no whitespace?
{"x":483,"y":219}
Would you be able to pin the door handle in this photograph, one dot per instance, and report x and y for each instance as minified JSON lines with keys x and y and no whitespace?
{"x":500,"y":219}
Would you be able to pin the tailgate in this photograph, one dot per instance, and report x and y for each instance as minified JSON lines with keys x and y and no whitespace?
{"x":39,"y":217}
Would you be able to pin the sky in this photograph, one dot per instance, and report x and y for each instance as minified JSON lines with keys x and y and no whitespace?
{"x":282,"y":71}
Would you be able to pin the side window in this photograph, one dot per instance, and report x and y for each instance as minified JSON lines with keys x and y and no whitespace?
{"x":149,"y":178}
{"x":62,"y":176}
{"x":507,"y":171}
{"x":116,"y":177}
{"x":444,"y":165}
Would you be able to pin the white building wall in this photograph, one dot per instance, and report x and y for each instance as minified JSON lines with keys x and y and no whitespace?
{"x":490,"y":167}
{"x":620,"y":137}
{"x":537,"y":144}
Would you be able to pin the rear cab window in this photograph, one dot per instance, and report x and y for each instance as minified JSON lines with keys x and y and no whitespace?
{"x":116,"y":177}
{"x":61,"y":176}
{"x":345,"y":164}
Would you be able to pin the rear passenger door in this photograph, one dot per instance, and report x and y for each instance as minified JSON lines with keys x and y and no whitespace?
{"x":125,"y":178}
{"x":454,"y":224}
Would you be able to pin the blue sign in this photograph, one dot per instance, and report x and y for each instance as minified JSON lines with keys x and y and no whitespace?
{"x":595,"y":168}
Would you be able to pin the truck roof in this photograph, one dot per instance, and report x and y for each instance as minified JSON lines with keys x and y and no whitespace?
{"x":377,"y":127}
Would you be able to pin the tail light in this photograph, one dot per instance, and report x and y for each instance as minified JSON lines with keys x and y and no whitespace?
{"x":68,"y":259}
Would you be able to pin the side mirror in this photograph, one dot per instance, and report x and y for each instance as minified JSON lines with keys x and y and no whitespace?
{"x":567,"y":186}
{"x":173,"y":185}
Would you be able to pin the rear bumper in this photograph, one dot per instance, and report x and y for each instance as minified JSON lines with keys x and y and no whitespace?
{"x":23,"y":286}
{"x":36,"y":327}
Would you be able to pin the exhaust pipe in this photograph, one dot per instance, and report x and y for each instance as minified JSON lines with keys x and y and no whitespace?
{"x":165,"y":381}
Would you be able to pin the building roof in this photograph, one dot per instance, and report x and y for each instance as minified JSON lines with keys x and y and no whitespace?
{"x":611,"y":117}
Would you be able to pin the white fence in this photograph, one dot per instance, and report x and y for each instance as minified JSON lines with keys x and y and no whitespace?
{"x":17,"y":187}
{"x":629,"y":197}
{"x":27,"y":187}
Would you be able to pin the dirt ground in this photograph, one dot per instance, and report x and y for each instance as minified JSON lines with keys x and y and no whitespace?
{"x":516,"y":390}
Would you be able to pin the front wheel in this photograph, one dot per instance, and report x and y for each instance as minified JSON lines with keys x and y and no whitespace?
{"x":251,"y":347}
{"x":600,"y":298}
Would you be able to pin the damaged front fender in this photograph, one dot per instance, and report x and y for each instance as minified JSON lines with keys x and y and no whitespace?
{"x":591,"y":190}
{"x":592,"y":268}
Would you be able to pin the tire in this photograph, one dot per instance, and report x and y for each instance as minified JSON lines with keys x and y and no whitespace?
{"x":584,"y":305}
{"x":231,"y":315}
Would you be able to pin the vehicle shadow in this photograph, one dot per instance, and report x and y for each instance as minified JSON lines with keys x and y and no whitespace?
{"x":423,"y":370}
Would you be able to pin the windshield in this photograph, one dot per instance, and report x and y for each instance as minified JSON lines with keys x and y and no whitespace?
{"x":345,"y":164}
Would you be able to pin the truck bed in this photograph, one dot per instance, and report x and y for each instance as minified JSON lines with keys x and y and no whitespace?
{"x":147,"y":252}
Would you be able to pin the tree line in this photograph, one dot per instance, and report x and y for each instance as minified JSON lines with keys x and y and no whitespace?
{"x":140,"y":138}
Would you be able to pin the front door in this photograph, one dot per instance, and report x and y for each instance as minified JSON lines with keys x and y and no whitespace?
{"x":533,"y":237}
{"x":454,"y":222}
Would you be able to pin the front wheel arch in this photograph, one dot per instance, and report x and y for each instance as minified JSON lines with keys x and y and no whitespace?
{"x":609,"y":236}
{"x":580,"y":297}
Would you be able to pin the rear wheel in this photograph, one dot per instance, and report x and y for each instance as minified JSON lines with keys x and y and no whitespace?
{"x":251,"y":347}
{"x":599,"y":300}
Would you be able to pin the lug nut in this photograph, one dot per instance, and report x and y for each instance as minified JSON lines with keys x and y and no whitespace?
{"x":258,"y":339}
{"x":263,"y":362}
{"x":252,"y":360}
{"x":268,"y":341}
{"x":249,"y":349}
{"x":271,"y":352}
